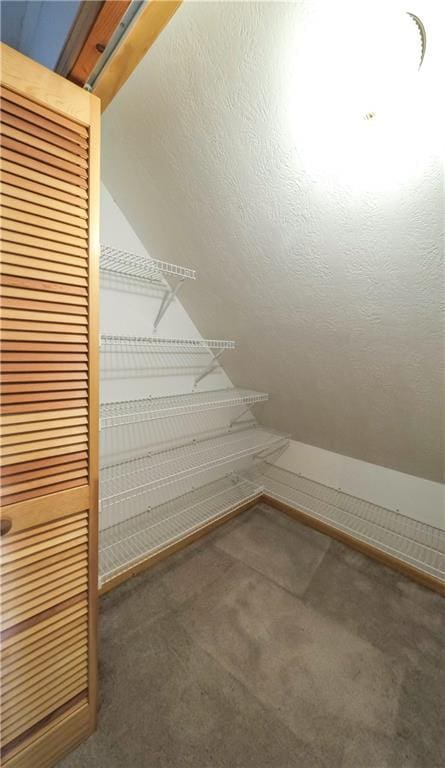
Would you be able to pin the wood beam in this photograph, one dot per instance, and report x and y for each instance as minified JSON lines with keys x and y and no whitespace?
{"x":141,"y":36}
{"x":100,"y":34}
{"x":84,"y":20}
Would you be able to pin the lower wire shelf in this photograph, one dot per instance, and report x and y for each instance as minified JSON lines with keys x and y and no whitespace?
{"x":417,"y":544}
{"x":124,"y":545}
{"x":137,"y":478}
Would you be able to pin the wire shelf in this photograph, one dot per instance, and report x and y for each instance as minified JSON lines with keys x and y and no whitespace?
{"x":141,"y":267}
{"x":123,"y":545}
{"x":124,"y":412}
{"x":416,"y":543}
{"x":137,"y":477}
{"x":110,"y":342}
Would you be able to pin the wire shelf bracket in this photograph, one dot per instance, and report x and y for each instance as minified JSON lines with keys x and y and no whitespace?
{"x":240,"y":416}
{"x":167,"y":299}
{"x":139,"y":267}
{"x":209,"y":368}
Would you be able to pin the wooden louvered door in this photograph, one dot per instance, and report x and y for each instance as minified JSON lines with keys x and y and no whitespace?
{"x":49,"y":412}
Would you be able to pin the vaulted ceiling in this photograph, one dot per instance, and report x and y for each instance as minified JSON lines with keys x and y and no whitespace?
{"x":316,"y":234}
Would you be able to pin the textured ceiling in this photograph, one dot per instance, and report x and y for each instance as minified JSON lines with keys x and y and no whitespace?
{"x":317,"y":239}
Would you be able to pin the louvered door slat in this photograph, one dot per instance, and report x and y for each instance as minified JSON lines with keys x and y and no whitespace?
{"x":58,"y":121}
{"x":43,"y":194}
{"x":25,"y":120}
{"x":45,"y":209}
{"x":59,"y":135}
{"x":49,"y":412}
{"x":16,"y":304}
{"x":12,"y":212}
{"x":39,"y":315}
{"x":46,"y":644}
{"x":49,"y":147}
{"x":36,"y":159}
{"x":45,"y":178}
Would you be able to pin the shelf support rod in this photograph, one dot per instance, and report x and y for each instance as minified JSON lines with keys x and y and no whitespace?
{"x":211,"y":366}
{"x":167,"y":299}
{"x":243,"y":413}
{"x":266,"y":452}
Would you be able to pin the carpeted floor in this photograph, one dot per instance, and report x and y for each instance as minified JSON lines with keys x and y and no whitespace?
{"x":269,"y":645}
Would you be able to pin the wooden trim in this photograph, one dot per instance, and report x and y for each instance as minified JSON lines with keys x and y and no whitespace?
{"x":84,"y":20}
{"x":176,"y":546}
{"x":141,"y":36}
{"x":40,"y":85}
{"x":93,"y":388}
{"x":100,"y":34}
{"x":366,"y":549}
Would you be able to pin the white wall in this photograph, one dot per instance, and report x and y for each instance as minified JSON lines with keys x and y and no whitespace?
{"x":238,"y":146}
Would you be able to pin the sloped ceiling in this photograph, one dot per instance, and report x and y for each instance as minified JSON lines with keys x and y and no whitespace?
{"x":316,"y":234}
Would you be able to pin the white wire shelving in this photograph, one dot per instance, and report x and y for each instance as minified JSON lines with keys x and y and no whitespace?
{"x":141,"y":267}
{"x":125,"y":412}
{"x":108,"y":342}
{"x":135,"y":266}
{"x":414,"y":542}
{"x":138,"y":477}
{"x":128,"y":344}
{"x":123,"y":545}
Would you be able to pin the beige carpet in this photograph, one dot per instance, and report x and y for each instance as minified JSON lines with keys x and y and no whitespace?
{"x":268,"y":645}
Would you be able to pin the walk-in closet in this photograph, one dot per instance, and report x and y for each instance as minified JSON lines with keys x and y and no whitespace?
{"x":222,"y":538}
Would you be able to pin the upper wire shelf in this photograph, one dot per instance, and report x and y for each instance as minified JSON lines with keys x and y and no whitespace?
{"x":141,"y":343}
{"x":145,"y":268}
{"x":137,"y":477}
{"x":142,"y":267}
{"x":124,"y":412}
